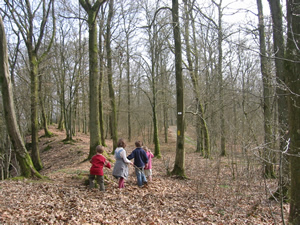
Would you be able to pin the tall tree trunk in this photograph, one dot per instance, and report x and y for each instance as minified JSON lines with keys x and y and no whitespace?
{"x":154,"y":74}
{"x":154,"y":109}
{"x":179,"y":166}
{"x":23,"y":157}
{"x":113,"y":114}
{"x":35,"y":153}
{"x":293,"y":82}
{"x":92,"y":11}
{"x":267,"y":151}
{"x":220,"y":78}
{"x":128,"y":88}
{"x":61,"y":120}
{"x":164,"y":81}
{"x":276,"y":13}
{"x":101,"y":64}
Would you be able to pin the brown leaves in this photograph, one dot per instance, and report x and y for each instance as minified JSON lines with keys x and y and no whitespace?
{"x":202,"y":199}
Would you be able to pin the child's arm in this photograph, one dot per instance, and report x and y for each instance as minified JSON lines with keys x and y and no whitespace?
{"x":151,"y":155}
{"x":107,"y":164}
{"x":125,"y":159}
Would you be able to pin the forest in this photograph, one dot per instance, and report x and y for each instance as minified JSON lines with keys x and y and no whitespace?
{"x":211,"y":87}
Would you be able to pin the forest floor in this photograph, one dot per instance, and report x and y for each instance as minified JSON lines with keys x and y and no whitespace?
{"x":226,"y":190}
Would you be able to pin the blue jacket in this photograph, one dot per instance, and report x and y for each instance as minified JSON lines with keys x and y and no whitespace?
{"x":140,"y":157}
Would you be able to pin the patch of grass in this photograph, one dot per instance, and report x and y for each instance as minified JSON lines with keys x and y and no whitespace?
{"x":78,"y":177}
{"x":17,"y":178}
{"x":224,"y":186}
{"x":45,"y":179}
{"x":221,"y":212}
{"x":49,"y":135}
{"x":77,"y":172}
{"x":47,"y":148}
{"x":189,"y":140}
{"x":69,"y":142}
{"x":28,"y":180}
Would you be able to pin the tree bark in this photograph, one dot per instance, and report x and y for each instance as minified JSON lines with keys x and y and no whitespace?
{"x":35,"y":153}
{"x":23,"y":157}
{"x":293,"y":83}
{"x":179,"y":166}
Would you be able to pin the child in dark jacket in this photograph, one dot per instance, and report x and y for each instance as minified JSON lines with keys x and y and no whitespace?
{"x":140,"y":161}
{"x":98,"y":161}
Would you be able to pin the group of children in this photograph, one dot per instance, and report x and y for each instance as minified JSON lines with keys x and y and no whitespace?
{"x":142,"y":162}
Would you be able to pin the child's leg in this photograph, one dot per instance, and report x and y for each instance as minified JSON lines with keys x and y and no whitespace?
{"x":100,"y":180}
{"x":121,"y":182}
{"x":144,"y":179}
{"x":91,"y":181}
{"x":150,"y":174}
{"x":139,"y":176}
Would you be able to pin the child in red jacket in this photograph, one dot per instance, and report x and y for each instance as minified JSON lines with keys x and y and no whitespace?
{"x":98,"y":161}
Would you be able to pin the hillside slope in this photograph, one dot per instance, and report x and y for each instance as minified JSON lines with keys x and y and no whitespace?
{"x":209,"y":196}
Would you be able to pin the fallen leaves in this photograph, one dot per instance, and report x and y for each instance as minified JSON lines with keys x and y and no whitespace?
{"x":204,"y":198}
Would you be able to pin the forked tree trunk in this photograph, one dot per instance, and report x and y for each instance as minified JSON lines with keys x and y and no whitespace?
{"x":92,"y":11}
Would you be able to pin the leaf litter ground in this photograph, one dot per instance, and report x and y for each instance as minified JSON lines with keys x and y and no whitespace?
{"x":218,"y":191}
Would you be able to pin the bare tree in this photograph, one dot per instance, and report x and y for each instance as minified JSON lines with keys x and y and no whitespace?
{"x":23,"y":157}
{"x":278,"y":39}
{"x":25,"y":16}
{"x":266,"y":78}
{"x":203,"y":144}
